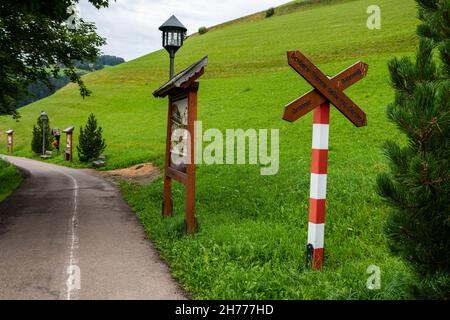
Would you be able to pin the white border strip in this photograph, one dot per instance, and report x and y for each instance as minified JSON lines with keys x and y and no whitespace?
{"x":316,"y":233}
{"x":318,"y":186}
{"x":73,"y":270}
{"x":320,"y":136}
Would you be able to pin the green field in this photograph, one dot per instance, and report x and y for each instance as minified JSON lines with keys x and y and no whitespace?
{"x":253,"y":229}
{"x":10,"y":179}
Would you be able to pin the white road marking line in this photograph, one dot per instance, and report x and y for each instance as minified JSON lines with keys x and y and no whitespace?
{"x":73,"y":270}
{"x":73,"y":282}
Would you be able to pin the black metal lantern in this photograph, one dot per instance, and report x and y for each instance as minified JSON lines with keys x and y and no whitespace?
{"x":173,"y":35}
{"x":43,"y":116}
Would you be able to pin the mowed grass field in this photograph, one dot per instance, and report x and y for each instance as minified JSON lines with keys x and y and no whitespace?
{"x":253,"y":228}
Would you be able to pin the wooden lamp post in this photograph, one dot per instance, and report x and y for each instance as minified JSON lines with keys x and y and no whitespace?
{"x":180,"y":143}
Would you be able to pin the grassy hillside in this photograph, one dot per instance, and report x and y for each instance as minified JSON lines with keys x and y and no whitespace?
{"x":253,"y":228}
{"x":332,"y":36}
{"x":287,"y":8}
{"x":10,"y":179}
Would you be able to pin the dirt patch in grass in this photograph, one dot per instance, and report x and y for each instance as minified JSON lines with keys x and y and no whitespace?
{"x":141,"y":174}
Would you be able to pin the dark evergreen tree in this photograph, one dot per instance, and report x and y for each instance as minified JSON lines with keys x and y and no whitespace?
{"x":90,"y":141}
{"x":36,"y":141}
{"x":39,"y":89}
{"x":270,"y":12}
{"x":435,"y":17}
{"x":417,"y":186}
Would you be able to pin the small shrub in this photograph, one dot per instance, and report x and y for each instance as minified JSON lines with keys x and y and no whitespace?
{"x":270,"y":12}
{"x":202,"y":30}
{"x":90,"y":141}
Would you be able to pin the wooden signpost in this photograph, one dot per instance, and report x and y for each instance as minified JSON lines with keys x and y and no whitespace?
{"x":180,"y":143}
{"x":10,"y":140}
{"x":326,"y":90}
{"x":68,"y":153}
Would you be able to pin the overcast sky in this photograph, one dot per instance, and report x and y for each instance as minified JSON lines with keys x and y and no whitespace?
{"x":131,"y":26}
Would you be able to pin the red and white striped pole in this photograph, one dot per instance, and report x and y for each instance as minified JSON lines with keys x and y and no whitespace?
{"x":318,"y":191}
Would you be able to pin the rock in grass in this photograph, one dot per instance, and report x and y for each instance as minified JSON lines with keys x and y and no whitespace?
{"x":98,"y":163}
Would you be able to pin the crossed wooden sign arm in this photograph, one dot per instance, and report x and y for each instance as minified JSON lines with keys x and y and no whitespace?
{"x":326,"y":89}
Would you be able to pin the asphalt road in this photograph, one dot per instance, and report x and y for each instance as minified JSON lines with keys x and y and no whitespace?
{"x":67,"y":234}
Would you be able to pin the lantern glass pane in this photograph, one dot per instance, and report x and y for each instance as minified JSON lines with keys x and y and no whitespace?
{"x":172,"y":39}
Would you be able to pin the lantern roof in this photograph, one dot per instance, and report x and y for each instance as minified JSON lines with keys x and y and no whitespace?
{"x":173,"y":22}
{"x":9,"y":131}
{"x":43,"y":116}
{"x":183,"y":79}
{"x":69,"y":129}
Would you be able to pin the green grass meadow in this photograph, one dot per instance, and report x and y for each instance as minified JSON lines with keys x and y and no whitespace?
{"x":10,"y":179}
{"x":253,"y":228}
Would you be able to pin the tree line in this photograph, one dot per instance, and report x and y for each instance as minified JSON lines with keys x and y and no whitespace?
{"x":39,"y":89}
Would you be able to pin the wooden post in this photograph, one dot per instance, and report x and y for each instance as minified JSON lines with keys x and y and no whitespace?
{"x":326,"y":90}
{"x":10,"y":140}
{"x":167,"y":209}
{"x":71,"y":147}
{"x":318,"y":189}
{"x":68,"y":152}
{"x":191,"y":223}
{"x":187,"y":177}
{"x":182,"y":91}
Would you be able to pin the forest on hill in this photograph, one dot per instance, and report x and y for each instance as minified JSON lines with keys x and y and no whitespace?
{"x":40,"y":90}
